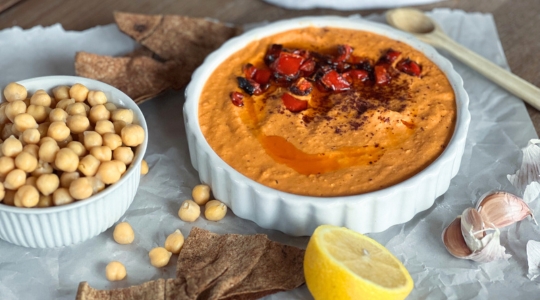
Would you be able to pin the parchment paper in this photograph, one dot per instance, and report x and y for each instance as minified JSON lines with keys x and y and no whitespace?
{"x":500,"y":126}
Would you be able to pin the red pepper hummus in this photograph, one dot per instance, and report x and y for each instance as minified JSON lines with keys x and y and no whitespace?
{"x":327,"y":111}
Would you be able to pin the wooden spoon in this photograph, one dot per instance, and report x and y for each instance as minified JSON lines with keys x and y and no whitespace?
{"x":416,"y":22}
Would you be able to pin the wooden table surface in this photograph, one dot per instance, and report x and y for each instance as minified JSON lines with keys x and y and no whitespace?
{"x":517,"y":20}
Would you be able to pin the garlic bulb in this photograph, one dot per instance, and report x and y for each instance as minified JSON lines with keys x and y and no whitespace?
{"x":502,"y":209}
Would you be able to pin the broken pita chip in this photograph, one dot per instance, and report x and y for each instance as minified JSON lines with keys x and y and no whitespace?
{"x":172,"y":37}
{"x":162,"y":289}
{"x":140,"y":77}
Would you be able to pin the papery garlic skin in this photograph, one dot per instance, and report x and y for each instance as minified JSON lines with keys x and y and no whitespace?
{"x":492,"y":250}
{"x":472,"y":229}
{"x":502,"y":209}
{"x":533,"y":259}
{"x":527,"y":179}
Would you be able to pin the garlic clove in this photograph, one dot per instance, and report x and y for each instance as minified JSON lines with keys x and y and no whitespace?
{"x":502,"y":209}
{"x":472,"y":229}
{"x":453,"y":240}
{"x":492,"y":250}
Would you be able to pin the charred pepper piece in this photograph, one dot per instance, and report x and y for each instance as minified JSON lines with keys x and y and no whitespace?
{"x":272,"y":53}
{"x":389,"y":57}
{"x":410,"y":67}
{"x":334,"y":81}
{"x":287,"y":64}
{"x":237,"y":98}
{"x":293,"y":104}
{"x":344,"y":52}
{"x":301,"y":87}
{"x":249,"y":86}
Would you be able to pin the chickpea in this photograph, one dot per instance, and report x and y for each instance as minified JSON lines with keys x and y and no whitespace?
{"x":61,"y":196}
{"x":76,"y":108}
{"x":43,"y":128}
{"x":120,"y":165}
{"x":42,"y":168}
{"x":67,"y":177}
{"x":3,"y":118}
{"x":9,"y":197}
{"x":32,"y":180}
{"x":12,"y":147}
{"x":15,"y":108}
{"x":15,"y":179}
{"x":103,"y":153}
{"x":24,"y":121}
{"x":144,"y":167}
{"x":32,"y":149}
{"x":14,"y":92}
{"x":63,"y":104}
{"x":118,"y":126}
{"x":7,"y":164}
{"x":64,"y":143}
{"x":66,"y":160}
{"x":215,"y":210}
{"x":77,"y":147}
{"x":92,"y":139}
{"x":40,"y":97}
{"x":81,"y":188}
{"x":58,"y":131}
{"x":122,"y":114}
{"x":2,"y":192}
{"x":7,"y":131}
{"x":48,"y":150}
{"x":112,"y":140}
{"x":132,"y":135}
{"x":47,"y":183}
{"x":58,"y":115}
{"x":26,"y":196}
{"x":61,"y":92}
{"x":110,"y":106}
{"x":46,"y":139}
{"x":174,"y":242}
{"x":115,"y":271}
{"x":123,"y":154}
{"x":96,"y":98}
{"x":38,"y":112}
{"x":123,"y":233}
{"x":97,"y":185}
{"x":26,"y":162}
{"x":31,"y":136}
{"x":189,"y":211}
{"x":45,"y":201}
{"x":201,"y":194}
{"x":108,"y":172}
{"x":78,"y":123}
{"x":104,"y":126}
{"x":99,"y":112}
{"x":89,"y":165}
{"x":78,"y":92}
{"x":159,"y":257}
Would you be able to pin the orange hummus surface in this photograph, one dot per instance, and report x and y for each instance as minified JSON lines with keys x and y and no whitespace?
{"x":340,"y":152}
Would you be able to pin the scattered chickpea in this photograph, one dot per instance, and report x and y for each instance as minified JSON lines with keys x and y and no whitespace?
{"x":132,"y":135}
{"x":2,"y":192}
{"x":103,"y":153}
{"x":92,"y":139}
{"x":67,"y":177}
{"x":14,"y":92}
{"x":6,"y":165}
{"x":77,"y":147}
{"x":96,"y":98}
{"x":40,"y":113}
{"x":40,"y":97}
{"x":48,"y":150}
{"x":123,"y":233}
{"x":31,"y":136}
{"x":61,"y":92}
{"x":144,"y":167}
{"x":58,"y":131}
{"x":159,"y":257}
{"x":174,"y":242}
{"x":24,"y":121}
{"x":78,"y":92}
{"x":189,"y":211}
{"x":42,"y":168}
{"x":12,"y":147}
{"x":66,"y":160}
{"x":104,"y":126}
{"x":61,"y":197}
{"x":123,"y":154}
{"x":15,"y":108}
{"x":81,"y":188}
{"x":112,"y":140}
{"x":26,"y":196}
{"x":63,"y":104}
{"x":115,"y":271}
{"x":45,"y":201}
{"x":99,"y":112}
{"x":47,"y":183}
{"x":89,"y":165}
{"x":26,"y":162}
{"x":201,"y":194}
{"x":215,"y":210}
{"x":78,"y":123}
{"x":108,"y":172}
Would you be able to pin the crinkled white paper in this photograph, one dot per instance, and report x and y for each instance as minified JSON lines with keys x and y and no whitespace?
{"x":346,"y":4}
{"x":500,"y":127}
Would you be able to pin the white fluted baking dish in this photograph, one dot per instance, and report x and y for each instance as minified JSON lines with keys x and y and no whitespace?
{"x":300,"y":215}
{"x":75,"y":222}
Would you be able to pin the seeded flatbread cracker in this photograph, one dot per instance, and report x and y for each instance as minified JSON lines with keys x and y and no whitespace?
{"x":140,"y":77}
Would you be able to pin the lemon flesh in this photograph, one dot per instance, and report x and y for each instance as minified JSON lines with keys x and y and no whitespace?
{"x":342,"y":264}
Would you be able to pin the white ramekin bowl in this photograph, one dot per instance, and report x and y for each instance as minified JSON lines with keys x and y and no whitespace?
{"x":300,"y":215}
{"x":76,"y":222}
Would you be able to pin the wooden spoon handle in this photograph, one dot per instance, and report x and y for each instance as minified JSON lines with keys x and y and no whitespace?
{"x":512,"y":83}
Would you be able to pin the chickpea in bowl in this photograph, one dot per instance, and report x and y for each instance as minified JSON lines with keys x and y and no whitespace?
{"x":70,"y":159}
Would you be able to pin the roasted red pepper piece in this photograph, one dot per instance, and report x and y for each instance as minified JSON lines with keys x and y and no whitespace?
{"x":287,"y":64}
{"x":301,"y":52}
{"x":332,"y":80}
{"x":410,"y":67}
{"x":344,"y":52}
{"x":262,"y":76}
{"x":249,"y":71}
{"x":237,"y":98}
{"x":360,"y":75}
{"x":293,"y":104}
{"x":272,"y":54}
{"x":301,"y":87}
{"x":251,"y":87}
{"x":308,"y":67}
{"x":390,"y":56}
{"x":381,"y":74}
